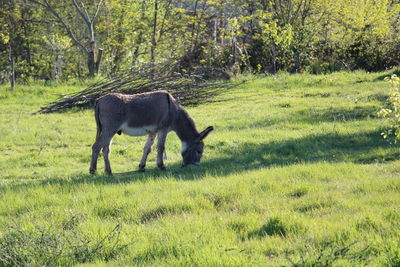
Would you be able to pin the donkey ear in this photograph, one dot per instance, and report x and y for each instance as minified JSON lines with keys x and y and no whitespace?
{"x":204,"y":133}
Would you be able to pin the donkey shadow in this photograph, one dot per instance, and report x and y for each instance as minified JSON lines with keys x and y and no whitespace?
{"x":330,"y":147}
{"x":382,"y":77}
{"x":362,"y":148}
{"x":365,"y":148}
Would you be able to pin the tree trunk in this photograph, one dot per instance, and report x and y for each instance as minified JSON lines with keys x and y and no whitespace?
{"x":215,"y":29}
{"x":91,"y":59}
{"x":273,"y":54}
{"x":12,"y":75}
{"x":98,"y":60}
{"x":90,"y":52}
{"x":153,"y":38}
{"x":222,"y":25}
{"x":79,"y":70}
{"x":57,"y":70}
{"x":296,"y":58}
{"x":91,"y":64}
{"x":200,"y":21}
{"x":139,"y":39}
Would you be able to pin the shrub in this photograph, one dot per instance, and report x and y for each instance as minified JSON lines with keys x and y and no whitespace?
{"x":392,"y":111}
{"x":51,"y":246}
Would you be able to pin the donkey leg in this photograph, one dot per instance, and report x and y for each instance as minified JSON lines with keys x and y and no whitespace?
{"x":146,"y":151}
{"x":106,"y":155}
{"x":95,"y":154}
{"x":162,"y":136}
{"x":103,"y":141}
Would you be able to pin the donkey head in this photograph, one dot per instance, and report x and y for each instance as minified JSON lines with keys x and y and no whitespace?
{"x":192,"y":152}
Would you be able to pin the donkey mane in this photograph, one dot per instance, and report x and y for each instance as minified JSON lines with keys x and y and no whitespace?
{"x":184,"y":126}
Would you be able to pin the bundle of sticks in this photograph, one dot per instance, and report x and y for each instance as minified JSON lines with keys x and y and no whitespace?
{"x":187,"y":89}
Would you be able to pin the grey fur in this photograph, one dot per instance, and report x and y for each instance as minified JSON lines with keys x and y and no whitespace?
{"x":154,"y":113}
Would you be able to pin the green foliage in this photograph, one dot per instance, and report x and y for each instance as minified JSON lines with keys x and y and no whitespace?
{"x":392,"y":258}
{"x":315,"y":36}
{"x":392,"y":112}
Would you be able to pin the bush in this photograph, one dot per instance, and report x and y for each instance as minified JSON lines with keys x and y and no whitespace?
{"x":392,"y":111}
{"x":61,"y":245}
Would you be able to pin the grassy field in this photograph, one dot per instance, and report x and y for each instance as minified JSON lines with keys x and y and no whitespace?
{"x":295,"y":174}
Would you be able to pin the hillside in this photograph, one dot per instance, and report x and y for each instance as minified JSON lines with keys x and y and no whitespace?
{"x":296,"y":172}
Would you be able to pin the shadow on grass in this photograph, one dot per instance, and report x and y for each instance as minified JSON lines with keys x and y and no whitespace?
{"x":314,"y":116}
{"x":337,"y":114}
{"x":364,"y":148}
{"x":382,"y":77}
{"x":274,"y":226}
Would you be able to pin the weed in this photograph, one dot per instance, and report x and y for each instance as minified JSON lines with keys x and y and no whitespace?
{"x":299,"y":192}
{"x":327,"y":254}
{"x":48,"y":246}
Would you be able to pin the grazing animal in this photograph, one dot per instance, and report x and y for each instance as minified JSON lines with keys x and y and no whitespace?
{"x":154,"y":113}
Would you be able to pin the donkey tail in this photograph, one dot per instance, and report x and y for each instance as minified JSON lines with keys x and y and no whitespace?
{"x":96,"y":116}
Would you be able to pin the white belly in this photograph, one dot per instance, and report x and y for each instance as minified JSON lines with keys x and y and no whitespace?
{"x":138,"y":131}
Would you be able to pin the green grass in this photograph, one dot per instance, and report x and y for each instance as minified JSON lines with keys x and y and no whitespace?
{"x":295,"y":174}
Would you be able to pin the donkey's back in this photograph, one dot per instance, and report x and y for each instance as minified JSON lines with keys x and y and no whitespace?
{"x":120,"y":112}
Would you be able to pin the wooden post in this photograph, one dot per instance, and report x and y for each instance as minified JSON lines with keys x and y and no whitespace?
{"x":57,"y":70}
{"x":98,"y":60}
{"x":92,"y":59}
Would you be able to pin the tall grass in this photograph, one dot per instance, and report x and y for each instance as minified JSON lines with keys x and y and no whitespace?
{"x":295,"y":174}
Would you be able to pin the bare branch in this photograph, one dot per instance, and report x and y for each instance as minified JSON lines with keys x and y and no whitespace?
{"x":167,"y":9}
{"x":38,"y":3}
{"x":61,"y":20}
{"x":39,"y":21}
{"x":85,"y":18}
{"x":296,"y":13}
{"x":97,"y":11}
{"x":86,"y":12}
{"x":306,"y":10}
{"x":279,"y":10}
{"x":189,"y":89}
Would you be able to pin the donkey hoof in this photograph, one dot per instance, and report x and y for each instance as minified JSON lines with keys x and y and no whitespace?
{"x":108,"y":172}
{"x":142,"y":167}
{"x":162,"y":167}
{"x":92,"y":171}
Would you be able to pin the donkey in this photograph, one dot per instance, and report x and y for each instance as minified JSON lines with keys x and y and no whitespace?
{"x":153,"y":114}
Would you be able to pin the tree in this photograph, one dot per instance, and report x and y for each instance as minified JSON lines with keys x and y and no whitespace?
{"x":201,"y":35}
{"x":8,"y":20}
{"x":90,"y":49}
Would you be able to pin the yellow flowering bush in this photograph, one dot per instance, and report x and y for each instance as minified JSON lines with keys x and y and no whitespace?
{"x":392,"y":111}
